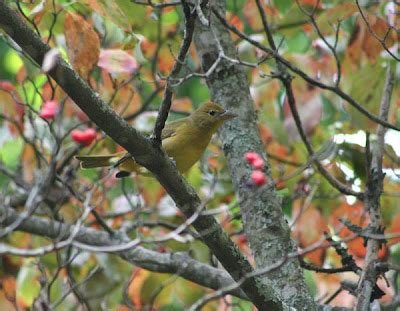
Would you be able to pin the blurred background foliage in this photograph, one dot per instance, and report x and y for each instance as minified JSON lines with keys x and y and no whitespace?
{"x":142,"y":43}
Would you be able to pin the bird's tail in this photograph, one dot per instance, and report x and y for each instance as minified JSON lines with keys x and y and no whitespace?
{"x":93,"y":161}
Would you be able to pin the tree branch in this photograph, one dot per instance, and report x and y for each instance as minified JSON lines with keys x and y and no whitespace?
{"x":373,"y":192}
{"x":176,"y":263}
{"x":167,"y":100}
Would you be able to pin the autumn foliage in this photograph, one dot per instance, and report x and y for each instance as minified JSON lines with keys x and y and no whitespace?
{"x":125,"y":52}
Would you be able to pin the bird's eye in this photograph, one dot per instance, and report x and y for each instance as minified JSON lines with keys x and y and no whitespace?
{"x":212,"y":112}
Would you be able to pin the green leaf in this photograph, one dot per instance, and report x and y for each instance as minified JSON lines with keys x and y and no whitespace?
{"x":12,"y":62}
{"x":366,"y":88}
{"x":170,"y":17}
{"x":328,"y":19}
{"x":284,"y":192}
{"x":329,"y":113}
{"x":56,"y":290}
{"x":308,"y":275}
{"x":114,"y":268}
{"x":283,"y":5}
{"x":233,"y":6}
{"x":354,"y":156}
{"x":395,"y":253}
{"x":172,"y":307}
{"x":294,"y":18}
{"x":28,"y":286}
{"x":10,"y":153}
{"x":298,"y":43}
{"x":29,"y":91}
{"x":276,"y":127}
{"x":398,"y":117}
{"x":287,"y":204}
{"x":123,"y":13}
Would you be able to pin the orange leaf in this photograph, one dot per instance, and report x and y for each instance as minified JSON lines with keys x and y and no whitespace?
{"x":357,"y":216}
{"x":311,"y":3}
{"x":148,"y":47}
{"x":395,"y":229}
{"x":358,"y":249}
{"x":138,"y":278}
{"x":265,"y":134}
{"x":182,"y":105}
{"x":213,"y":162}
{"x":13,"y":110}
{"x":364,"y":42}
{"x":29,"y":161}
{"x":371,"y":45}
{"x":83,"y":44}
{"x":166,"y":61}
{"x":353,"y":51}
{"x":9,"y":286}
{"x":327,"y":284}
{"x":236,"y":21}
{"x":309,"y":229}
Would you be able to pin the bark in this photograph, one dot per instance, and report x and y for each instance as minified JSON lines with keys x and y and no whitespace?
{"x":264,"y":223}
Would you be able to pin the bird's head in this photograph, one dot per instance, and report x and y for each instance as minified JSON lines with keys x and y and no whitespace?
{"x":211,"y":116}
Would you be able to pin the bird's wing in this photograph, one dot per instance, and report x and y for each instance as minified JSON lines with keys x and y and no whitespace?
{"x":171,"y":128}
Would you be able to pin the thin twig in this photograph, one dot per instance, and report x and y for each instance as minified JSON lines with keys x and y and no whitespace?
{"x":305,"y":76}
{"x":167,"y":100}
{"x":286,"y":80}
{"x":373,"y":191}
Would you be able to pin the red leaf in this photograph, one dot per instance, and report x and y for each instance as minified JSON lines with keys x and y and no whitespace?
{"x":7,"y":86}
{"x":117,"y":61}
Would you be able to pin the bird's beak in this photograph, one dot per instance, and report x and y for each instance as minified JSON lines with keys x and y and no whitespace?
{"x":227,"y":115}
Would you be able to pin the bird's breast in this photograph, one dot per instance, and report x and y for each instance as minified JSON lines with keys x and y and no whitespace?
{"x":186,"y":148}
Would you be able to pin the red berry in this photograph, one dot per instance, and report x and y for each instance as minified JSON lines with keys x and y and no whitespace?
{"x":251,"y":157}
{"x":258,"y":178}
{"x":85,"y":137}
{"x":258,"y":164}
{"x":48,"y":110}
{"x":47,"y":114}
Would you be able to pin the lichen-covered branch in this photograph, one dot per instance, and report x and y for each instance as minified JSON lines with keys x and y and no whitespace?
{"x":264,"y":223}
{"x":179,"y":263}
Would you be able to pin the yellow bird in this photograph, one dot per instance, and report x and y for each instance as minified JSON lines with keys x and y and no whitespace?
{"x":183,"y":140}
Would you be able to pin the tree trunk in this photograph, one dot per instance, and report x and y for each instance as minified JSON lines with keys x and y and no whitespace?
{"x":263,"y":220}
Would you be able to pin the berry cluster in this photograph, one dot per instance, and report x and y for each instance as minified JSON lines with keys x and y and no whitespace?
{"x":257,"y":163}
